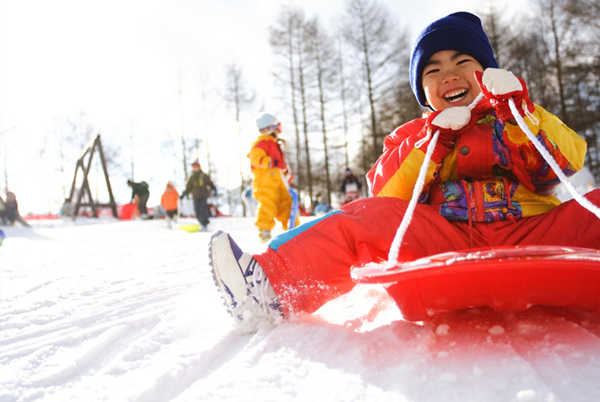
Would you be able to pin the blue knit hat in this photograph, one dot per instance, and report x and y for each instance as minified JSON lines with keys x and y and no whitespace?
{"x":460,"y":31}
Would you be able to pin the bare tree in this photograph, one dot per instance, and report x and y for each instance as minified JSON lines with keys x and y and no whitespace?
{"x":323,"y":55}
{"x":401,"y":106}
{"x":498,"y":31}
{"x":558,"y":56}
{"x":81,"y":130}
{"x":378,"y":43}
{"x":557,"y":34}
{"x":47,"y":149}
{"x":585,"y":12}
{"x":284,"y":39}
{"x":131,"y":148}
{"x":240,"y":97}
{"x":528,"y":57}
{"x":184,"y":146}
{"x":583,"y":75}
{"x":205,"y":112}
{"x":169,"y":149}
{"x":561,"y":33}
{"x":302,"y":55}
{"x":4,"y":150}
{"x":343,"y":97}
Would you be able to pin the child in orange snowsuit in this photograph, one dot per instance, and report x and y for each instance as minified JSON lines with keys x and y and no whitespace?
{"x":169,"y":201}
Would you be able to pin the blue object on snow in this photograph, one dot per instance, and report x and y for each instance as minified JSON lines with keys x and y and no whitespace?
{"x":284,"y":237}
{"x":2,"y":236}
{"x":322,"y":209}
{"x":294,"y":211}
{"x":249,"y":201}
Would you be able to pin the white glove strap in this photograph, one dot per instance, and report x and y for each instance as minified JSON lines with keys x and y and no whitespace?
{"x":453,"y":118}
{"x":500,"y":82}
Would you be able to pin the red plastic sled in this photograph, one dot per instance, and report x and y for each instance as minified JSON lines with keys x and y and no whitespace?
{"x":506,"y":279}
{"x":126,"y":211}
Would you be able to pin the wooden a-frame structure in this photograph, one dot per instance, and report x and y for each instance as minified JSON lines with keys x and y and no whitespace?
{"x":79,"y":200}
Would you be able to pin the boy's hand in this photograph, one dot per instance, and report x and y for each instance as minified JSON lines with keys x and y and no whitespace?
{"x":499,"y":86}
{"x":449,"y":120}
{"x":500,"y":83}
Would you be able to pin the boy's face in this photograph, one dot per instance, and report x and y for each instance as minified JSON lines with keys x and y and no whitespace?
{"x":449,"y":79}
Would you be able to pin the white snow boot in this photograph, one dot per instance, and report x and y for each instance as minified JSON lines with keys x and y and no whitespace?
{"x":264,"y":236}
{"x":245,"y":288}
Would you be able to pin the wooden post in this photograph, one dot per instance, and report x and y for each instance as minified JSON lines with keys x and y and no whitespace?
{"x":85,"y":186}
{"x":112,"y":203}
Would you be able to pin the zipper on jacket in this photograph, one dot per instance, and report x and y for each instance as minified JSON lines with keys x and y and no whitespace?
{"x":479,"y":204}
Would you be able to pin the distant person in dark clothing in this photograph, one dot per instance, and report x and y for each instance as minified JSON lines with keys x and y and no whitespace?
{"x":350,"y":187}
{"x":141,"y":190}
{"x":201,"y":187}
{"x":12,"y":210}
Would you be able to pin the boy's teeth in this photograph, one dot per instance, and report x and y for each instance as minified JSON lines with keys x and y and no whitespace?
{"x":455,"y":95}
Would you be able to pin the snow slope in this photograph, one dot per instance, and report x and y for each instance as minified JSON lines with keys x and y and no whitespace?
{"x":127,"y":311}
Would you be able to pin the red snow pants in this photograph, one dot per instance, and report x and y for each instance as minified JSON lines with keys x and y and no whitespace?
{"x":310,"y":265}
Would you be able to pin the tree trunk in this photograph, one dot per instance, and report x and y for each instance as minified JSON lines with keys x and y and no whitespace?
{"x":369,"y":78}
{"x":324,"y":127}
{"x":343,"y":98}
{"x":183,"y":144}
{"x":305,"y":123}
{"x":297,"y":171}
{"x":557,"y":61}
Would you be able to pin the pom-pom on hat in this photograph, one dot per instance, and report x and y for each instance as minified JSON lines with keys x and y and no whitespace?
{"x":460,"y":31}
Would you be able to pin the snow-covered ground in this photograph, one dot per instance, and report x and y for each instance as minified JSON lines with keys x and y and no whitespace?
{"x":127,"y":311}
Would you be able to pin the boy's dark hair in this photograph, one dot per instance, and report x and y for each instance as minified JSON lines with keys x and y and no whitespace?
{"x":460,"y":31}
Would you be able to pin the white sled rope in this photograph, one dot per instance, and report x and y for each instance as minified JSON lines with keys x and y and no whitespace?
{"x":397,"y":243}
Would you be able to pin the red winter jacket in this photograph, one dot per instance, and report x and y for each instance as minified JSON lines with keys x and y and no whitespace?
{"x":491,"y":172}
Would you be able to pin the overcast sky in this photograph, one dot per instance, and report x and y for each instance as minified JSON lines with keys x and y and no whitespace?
{"x":119,"y":65}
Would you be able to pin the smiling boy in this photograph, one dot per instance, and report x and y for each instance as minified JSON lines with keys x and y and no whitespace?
{"x":448,"y":79}
{"x":486,"y":185}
